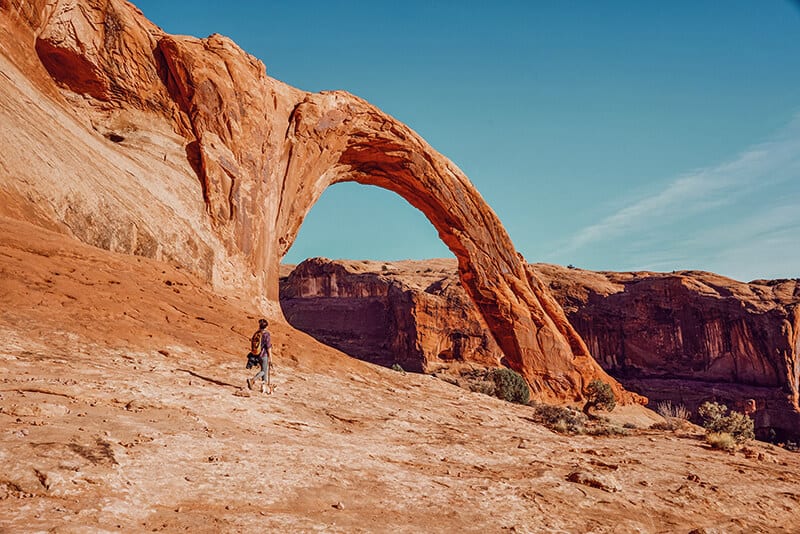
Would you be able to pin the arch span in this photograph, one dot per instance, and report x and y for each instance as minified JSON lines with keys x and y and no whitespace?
{"x":263,"y":153}
{"x":335,"y":137}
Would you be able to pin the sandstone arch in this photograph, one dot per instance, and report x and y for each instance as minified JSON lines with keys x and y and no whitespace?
{"x":259,"y":153}
{"x":335,"y":137}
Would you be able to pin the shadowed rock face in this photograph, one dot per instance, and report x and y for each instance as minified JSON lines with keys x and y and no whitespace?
{"x":183,"y":149}
{"x":416,"y":316}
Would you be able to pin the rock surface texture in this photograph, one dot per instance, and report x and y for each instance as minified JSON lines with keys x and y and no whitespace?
{"x":691,"y":336}
{"x":415,"y":315}
{"x":183,"y":149}
{"x":105,"y":428}
{"x":686,"y":337}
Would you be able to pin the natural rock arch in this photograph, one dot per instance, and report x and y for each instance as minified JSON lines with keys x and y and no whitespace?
{"x":335,"y":137}
{"x":263,"y":153}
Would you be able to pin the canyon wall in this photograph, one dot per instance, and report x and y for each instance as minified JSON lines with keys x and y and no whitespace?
{"x":691,"y":336}
{"x":686,"y":337}
{"x":419,"y":318}
{"x":184,"y":150}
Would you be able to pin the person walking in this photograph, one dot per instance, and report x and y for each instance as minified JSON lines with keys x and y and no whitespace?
{"x":261,"y":346}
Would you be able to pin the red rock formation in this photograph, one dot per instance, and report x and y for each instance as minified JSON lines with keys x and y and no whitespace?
{"x":690,"y":336}
{"x":171,"y":108}
{"x":389,"y":314}
{"x":685,"y":337}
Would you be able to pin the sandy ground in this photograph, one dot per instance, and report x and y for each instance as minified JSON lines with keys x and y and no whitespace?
{"x":122,"y":409}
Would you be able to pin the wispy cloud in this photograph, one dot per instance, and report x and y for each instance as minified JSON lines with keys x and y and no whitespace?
{"x":697,"y":216}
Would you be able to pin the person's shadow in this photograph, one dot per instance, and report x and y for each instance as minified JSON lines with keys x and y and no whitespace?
{"x":212,"y":380}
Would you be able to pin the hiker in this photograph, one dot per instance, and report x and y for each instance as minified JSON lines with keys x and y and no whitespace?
{"x":261,"y":348}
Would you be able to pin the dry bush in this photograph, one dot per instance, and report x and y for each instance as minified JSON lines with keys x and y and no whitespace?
{"x":606,"y":429}
{"x":669,"y":423}
{"x":721,"y":440}
{"x":667,"y":410}
{"x":486,"y":387}
{"x":675,"y":416}
{"x":560,"y":419}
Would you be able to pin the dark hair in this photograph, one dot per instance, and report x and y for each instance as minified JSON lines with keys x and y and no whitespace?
{"x":262,"y":323}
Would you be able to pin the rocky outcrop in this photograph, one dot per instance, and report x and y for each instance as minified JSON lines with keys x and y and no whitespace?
{"x":690,"y":336}
{"x":383,"y":313}
{"x":183,"y":149}
{"x":686,"y":337}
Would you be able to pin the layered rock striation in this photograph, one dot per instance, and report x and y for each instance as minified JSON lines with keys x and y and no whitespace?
{"x":691,"y":336}
{"x":184,"y":150}
{"x":686,"y":337}
{"x":419,"y":318}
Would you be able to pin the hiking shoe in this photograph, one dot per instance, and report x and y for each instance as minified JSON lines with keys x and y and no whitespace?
{"x":249,"y":384}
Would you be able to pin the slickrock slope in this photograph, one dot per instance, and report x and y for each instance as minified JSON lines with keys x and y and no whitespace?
{"x":121,"y":410}
{"x":183,"y":149}
{"x":686,"y":337}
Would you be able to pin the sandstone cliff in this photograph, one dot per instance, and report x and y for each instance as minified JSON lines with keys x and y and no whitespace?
{"x":184,"y":150}
{"x":689,"y":336}
{"x":416,"y":316}
{"x":686,"y":337}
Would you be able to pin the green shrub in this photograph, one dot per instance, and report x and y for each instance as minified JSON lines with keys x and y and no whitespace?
{"x":717,"y":419}
{"x":397,"y":367}
{"x":510,"y":386}
{"x":599,"y":395}
{"x":711,"y":413}
{"x":560,"y":419}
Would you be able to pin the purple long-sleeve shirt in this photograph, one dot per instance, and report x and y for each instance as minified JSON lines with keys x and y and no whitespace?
{"x":266,"y":343}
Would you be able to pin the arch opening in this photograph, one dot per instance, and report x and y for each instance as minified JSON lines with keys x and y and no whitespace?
{"x":363,"y":222}
{"x":396,"y":306}
{"x":335,"y":137}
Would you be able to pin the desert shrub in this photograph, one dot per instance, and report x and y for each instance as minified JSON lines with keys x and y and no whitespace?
{"x":711,"y":413}
{"x":675,"y":416}
{"x":606,"y":429}
{"x":599,"y":395}
{"x":667,"y":410}
{"x":669,"y":423}
{"x":630,"y":426}
{"x":510,"y":386}
{"x":397,"y":367}
{"x":717,"y":419}
{"x":447,"y":378}
{"x":721,"y":440}
{"x":560,"y":419}
{"x":486,"y":387}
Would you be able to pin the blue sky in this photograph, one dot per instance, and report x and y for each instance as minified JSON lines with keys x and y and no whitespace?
{"x":616,"y":135}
